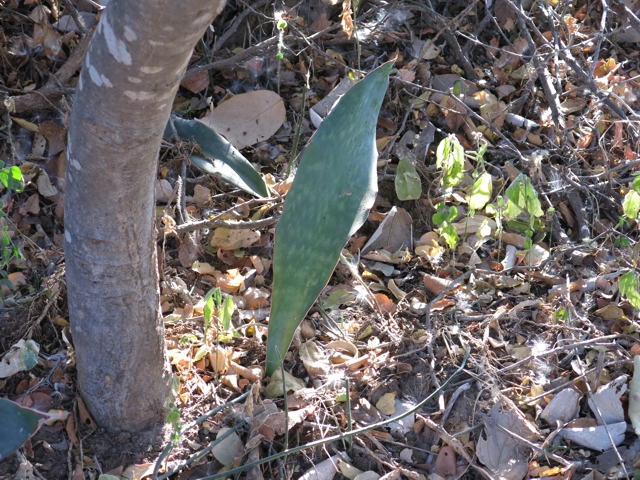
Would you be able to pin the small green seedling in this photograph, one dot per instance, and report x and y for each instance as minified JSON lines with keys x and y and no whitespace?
{"x":450,"y":158}
{"x":444,"y":218}
{"x":11,"y":179}
{"x":523,"y":198}
{"x":222,"y":310}
{"x":173,"y":413}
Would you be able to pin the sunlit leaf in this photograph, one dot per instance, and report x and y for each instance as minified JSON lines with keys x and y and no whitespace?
{"x":450,"y":157}
{"x":480,"y":192}
{"x":628,"y":285}
{"x":12,"y":179}
{"x":329,"y":200}
{"x":522,"y":197}
{"x":449,"y":235}
{"x":631,"y":204}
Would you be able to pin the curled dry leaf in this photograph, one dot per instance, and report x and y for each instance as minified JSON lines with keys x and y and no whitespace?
{"x":435,"y":285}
{"x":254,"y":373}
{"x":229,"y":282}
{"x":344,"y":346}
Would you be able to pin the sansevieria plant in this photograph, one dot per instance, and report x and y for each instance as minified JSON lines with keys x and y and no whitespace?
{"x":334,"y":188}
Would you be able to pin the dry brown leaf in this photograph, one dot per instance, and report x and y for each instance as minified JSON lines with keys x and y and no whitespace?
{"x":435,"y":285}
{"x":248,"y":118}
{"x":344,"y":346}
{"x":321,"y":23}
{"x":314,"y":359}
{"x":387,"y":403}
{"x":347,"y":18}
{"x":256,"y":298}
{"x":385,"y":302}
{"x":196,"y":83}
{"x":499,"y":451}
{"x":30,"y":205}
{"x":232,"y":239}
{"x":85,"y":416}
{"x":229,"y":282}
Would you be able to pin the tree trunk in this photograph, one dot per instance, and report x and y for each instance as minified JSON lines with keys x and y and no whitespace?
{"x":124,"y":96}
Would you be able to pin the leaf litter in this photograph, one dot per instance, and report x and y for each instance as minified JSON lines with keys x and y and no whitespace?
{"x":538,"y":282}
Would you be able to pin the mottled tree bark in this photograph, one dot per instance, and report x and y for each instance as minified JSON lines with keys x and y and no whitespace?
{"x":129,"y":78}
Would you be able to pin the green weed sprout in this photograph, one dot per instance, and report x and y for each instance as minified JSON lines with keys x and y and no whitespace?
{"x":11,"y":179}
{"x":629,"y":283}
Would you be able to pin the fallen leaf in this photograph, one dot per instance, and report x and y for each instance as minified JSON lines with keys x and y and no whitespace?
{"x":499,"y":451}
{"x":30,"y":205}
{"x":229,"y":449}
{"x":21,"y":357}
{"x":387,"y":403}
{"x":564,"y":407}
{"x":605,"y":402}
{"x":248,"y":118}
{"x":197,"y":82}
{"x":324,"y":470}
{"x":232,"y":239}
{"x":256,"y":298}
{"x":596,"y":437}
{"x":446,"y":465}
{"x":276,"y":387}
{"x":229,"y":282}
{"x":314,"y":359}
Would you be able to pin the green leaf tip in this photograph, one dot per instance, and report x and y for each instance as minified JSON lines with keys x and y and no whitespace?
{"x":17,"y":424}
{"x":330,"y":198}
